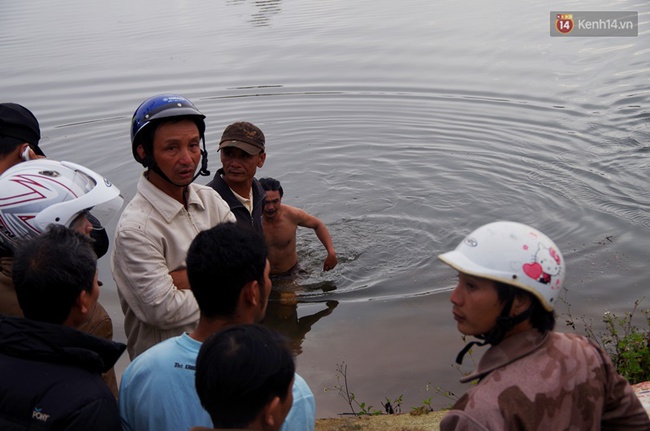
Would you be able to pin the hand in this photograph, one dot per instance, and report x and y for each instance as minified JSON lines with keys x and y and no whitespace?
{"x":330,"y":262}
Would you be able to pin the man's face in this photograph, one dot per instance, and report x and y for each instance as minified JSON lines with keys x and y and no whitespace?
{"x":177,"y":150}
{"x":476,"y":304}
{"x":81,"y":224}
{"x":272,"y":203}
{"x":239,"y":166}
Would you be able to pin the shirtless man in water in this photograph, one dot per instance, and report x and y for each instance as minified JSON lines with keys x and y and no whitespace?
{"x":280,"y":223}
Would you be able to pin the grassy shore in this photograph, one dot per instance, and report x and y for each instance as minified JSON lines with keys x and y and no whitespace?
{"x":401,"y":422}
{"x":424,"y":422}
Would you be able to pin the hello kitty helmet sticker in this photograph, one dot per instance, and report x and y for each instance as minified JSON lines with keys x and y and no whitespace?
{"x":515,"y":254}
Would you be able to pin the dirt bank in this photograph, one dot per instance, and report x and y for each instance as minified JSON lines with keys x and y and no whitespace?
{"x":402,"y":422}
{"x":426,"y":422}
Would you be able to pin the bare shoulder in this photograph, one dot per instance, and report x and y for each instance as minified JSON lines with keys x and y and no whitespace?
{"x":295,"y":214}
{"x":301,"y":217}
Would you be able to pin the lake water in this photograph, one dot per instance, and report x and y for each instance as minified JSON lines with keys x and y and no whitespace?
{"x":402,"y":125}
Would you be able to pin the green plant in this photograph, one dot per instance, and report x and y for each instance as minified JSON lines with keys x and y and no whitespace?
{"x":393,"y":407}
{"x":350,"y":398}
{"x":627,"y":344}
{"x":422,"y":409}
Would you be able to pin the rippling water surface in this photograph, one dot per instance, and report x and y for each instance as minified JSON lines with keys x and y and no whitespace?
{"x":403,"y":125}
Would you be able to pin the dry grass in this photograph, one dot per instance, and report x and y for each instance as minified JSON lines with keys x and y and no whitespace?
{"x":402,"y":422}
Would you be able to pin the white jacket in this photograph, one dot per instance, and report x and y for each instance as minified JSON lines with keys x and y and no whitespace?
{"x":151,"y":240}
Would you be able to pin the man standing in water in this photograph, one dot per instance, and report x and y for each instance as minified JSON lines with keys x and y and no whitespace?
{"x":280,"y":224}
{"x":242,"y":152}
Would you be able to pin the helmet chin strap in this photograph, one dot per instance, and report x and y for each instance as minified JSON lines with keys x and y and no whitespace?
{"x":150,"y":163}
{"x":503,"y":325}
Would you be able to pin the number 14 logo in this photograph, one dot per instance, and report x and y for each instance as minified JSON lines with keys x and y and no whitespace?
{"x":564,"y":23}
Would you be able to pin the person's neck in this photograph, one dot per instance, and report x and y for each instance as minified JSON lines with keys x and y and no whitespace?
{"x":243,"y":188}
{"x":173,"y":191}
{"x":208,"y":326}
{"x":519,"y":327}
{"x":7,"y":162}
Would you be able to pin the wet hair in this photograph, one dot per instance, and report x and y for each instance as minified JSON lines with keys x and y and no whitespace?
{"x":220,"y":261}
{"x":51,"y":270}
{"x":271,"y":184}
{"x":239,"y":370}
{"x":540,"y":318}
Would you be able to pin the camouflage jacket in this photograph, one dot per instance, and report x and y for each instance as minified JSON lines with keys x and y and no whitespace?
{"x":533,"y":381}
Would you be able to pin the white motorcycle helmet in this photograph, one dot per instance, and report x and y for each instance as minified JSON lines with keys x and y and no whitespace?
{"x":515,"y":254}
{"x":37,"y":193}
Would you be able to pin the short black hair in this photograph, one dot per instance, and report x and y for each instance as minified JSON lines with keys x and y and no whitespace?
{"x":271,"y":184}
{"x":541,"y":319}
{"x":239,"y":370}
{"x":220,"y":261}
{"x":51,"y":270}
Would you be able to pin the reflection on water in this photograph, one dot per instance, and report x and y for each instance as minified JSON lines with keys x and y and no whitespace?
{"x":282,"y":315}
{"x":264,"y":10}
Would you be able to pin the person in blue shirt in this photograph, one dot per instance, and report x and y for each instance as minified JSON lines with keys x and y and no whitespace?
{"x":244,"y":375}
{"x":228,"y":273}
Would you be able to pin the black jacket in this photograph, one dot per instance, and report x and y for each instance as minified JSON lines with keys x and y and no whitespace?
{"x":50,"y":378}
{"x":241,"y":213}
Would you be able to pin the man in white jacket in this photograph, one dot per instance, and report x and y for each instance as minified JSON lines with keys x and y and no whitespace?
{"x":158,"y":225}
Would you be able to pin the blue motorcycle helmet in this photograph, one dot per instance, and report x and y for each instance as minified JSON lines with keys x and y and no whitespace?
{"x":150,"y":113}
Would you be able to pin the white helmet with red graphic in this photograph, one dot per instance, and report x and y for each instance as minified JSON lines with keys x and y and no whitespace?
{"x":515,"y":254}
{"x":37,"y":193}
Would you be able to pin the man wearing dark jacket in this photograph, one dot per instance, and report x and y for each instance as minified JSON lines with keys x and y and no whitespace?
{"x":242,"y":150}
{"x":50,"y":373}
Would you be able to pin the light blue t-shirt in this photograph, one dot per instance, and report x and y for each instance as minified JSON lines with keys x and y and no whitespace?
{"x":157,"y":392}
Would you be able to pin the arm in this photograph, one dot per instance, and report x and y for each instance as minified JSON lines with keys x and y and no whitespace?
{"x":180,"y":279}
{"x":458,"y":420}
{"x":304,"y":219}
{"x":145,"y":283}
{"x":623,"y":410}
{"x":100,"y":414}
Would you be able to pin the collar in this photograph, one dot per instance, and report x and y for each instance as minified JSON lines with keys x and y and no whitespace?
{"x":508,"y":350}
{"x":167,"y":206}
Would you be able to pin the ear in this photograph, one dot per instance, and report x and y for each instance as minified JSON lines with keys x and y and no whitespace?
{"x":251,"y":293}
{"x":260,"y":163}
{"x":83,"y":302}
{"x":520,"y":304}
{"x":270,"y":413}
{"x":141,"y":153}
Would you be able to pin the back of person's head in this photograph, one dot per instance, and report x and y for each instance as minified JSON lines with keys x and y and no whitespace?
{"x":240,"y":370}
{"x":51,"y":270}
{"x":271,"y":184}
{"x":18,"y":125}
{"x":220,"y":262}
